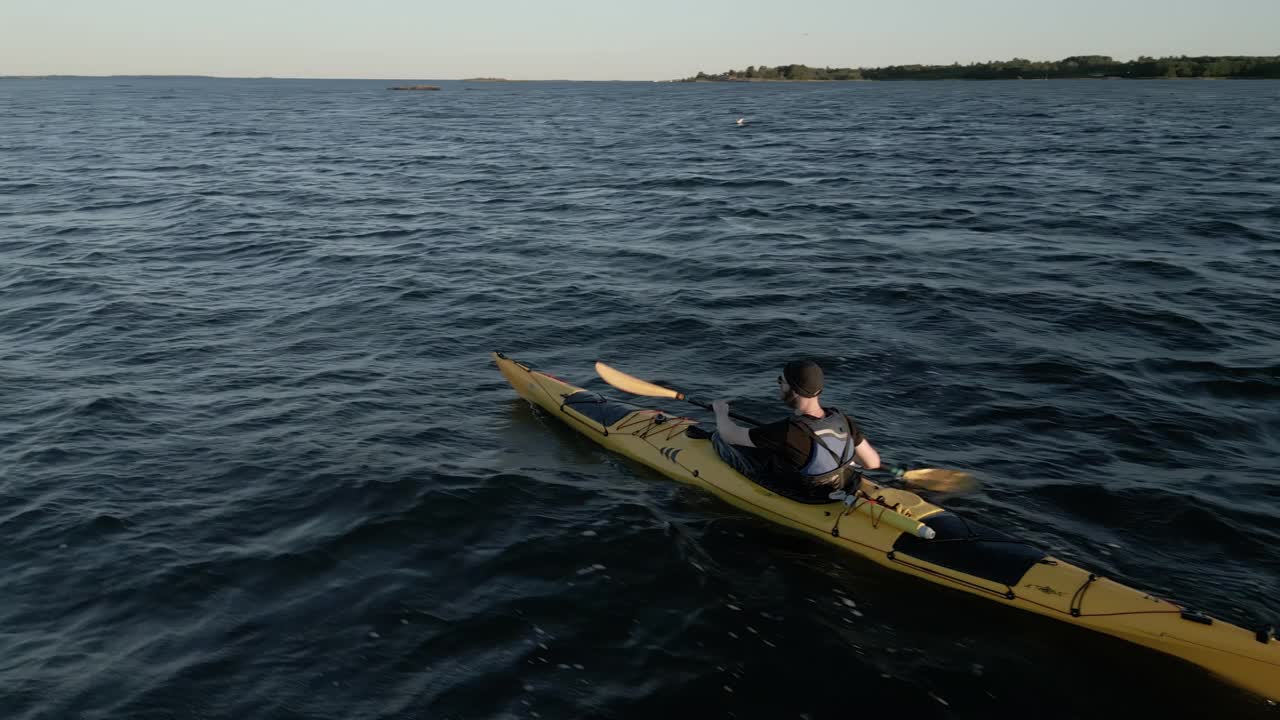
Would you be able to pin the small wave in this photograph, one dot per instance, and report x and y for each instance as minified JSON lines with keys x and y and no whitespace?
{"x":1167,"y":326}
{"x":948,"y":214}
{"x":133,"y":204}
{"x":846,"y":210}
{"x":114,"y":406}
{"x":1229,"y":382}
{"x":1149,"y":268}
{"x":47,"y":283}
{"x":752,"y":213}
{"x":1000,"y":190}
{"x":1033,"y":416}
{"x":238,"y":132}
{"x":250,"y":249}
{"x":1211,"y":368}
{"x":1111,"y":151}
{"x":20,"y":187}
{"x":1226,"y":229}
{"x":1155,"y":514}
{"x":426,"y":160}
{"x":710,"y":182}
{"x":387,"y":234}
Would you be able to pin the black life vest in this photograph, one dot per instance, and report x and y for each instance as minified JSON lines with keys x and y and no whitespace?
{"x":831,"y":458}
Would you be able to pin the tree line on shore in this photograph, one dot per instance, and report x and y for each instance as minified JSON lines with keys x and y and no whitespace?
{"x":1079,"y":66}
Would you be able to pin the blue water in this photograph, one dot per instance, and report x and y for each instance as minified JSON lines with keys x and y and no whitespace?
{"x":255,"y":462}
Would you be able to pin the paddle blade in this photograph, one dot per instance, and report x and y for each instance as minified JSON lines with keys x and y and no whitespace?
{"x":634,"y":385}
{"x":939,"y":480}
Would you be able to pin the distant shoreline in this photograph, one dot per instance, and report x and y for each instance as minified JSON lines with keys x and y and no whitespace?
{"x":1078,"y":67}
{"x":1028,"y":79}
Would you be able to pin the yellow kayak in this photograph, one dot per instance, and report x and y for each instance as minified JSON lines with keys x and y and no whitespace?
{"x":890,"y":526}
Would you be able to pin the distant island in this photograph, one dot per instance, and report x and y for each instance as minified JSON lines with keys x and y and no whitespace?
{"x":1080,"y":66}
{"x":414,"y":87}
{"x":486,"y":79}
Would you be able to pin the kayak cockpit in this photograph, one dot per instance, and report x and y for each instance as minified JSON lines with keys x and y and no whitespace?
{"x":971,"y":548}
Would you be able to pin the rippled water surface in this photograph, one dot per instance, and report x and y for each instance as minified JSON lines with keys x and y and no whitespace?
{"x":255,"y":462}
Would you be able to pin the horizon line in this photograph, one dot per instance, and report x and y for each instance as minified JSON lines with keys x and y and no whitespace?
{"x":506,"y":79}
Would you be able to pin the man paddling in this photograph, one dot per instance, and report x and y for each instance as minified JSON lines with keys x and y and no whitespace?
{"x":806,"y":456}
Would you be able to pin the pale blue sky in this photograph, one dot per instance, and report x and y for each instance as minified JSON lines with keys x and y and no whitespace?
{"x":580,"y":39}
